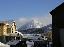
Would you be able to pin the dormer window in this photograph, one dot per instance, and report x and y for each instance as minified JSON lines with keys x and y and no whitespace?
{"x":15,"y":32}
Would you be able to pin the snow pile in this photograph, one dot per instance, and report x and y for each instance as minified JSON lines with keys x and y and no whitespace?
{"x":4,"y":45}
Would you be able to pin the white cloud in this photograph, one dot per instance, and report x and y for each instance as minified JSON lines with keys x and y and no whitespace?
{"x":45,"y":20}
{"x":21,"y":21}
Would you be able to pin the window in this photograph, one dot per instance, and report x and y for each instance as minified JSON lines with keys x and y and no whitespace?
{"x":42,"y":36}
{"x":18,"y":34}
{"x":12,"y":31}
{"x":12,"y":28}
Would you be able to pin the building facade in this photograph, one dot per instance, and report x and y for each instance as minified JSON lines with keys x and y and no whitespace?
{"x":7,"y":28}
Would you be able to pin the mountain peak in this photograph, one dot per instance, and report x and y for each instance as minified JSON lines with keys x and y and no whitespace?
{"x":32,"y":24}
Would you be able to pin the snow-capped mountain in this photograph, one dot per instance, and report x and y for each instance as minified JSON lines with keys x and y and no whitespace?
{"x":47,"y":28}
{"x":31,"y":24}
{"x":37,"y":30}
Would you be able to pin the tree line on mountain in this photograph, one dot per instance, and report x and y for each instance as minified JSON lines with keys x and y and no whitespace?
{"x":36,"y":30}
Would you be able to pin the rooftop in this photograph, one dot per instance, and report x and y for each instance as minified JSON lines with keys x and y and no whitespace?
{"x":58,"y":10}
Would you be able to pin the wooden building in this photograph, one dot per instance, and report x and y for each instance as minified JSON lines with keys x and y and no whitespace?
{"x":58,"y":26}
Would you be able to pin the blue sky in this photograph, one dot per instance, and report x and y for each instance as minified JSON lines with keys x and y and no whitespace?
{"x":24,"y":10}
{"x":14,"y":9}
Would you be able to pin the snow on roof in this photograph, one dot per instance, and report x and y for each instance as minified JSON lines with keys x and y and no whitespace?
{"x":30,"y":43}
{"x":13,"y":42}
{"x":1,"y":43}
{"x":4,"y":45}
{"x":19,"y":33}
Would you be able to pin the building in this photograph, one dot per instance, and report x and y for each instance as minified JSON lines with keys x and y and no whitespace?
{"x":8,"y":31}
{"x":58,"y":26}
{"x":2,"y":28}
{"x":7,"y":28}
